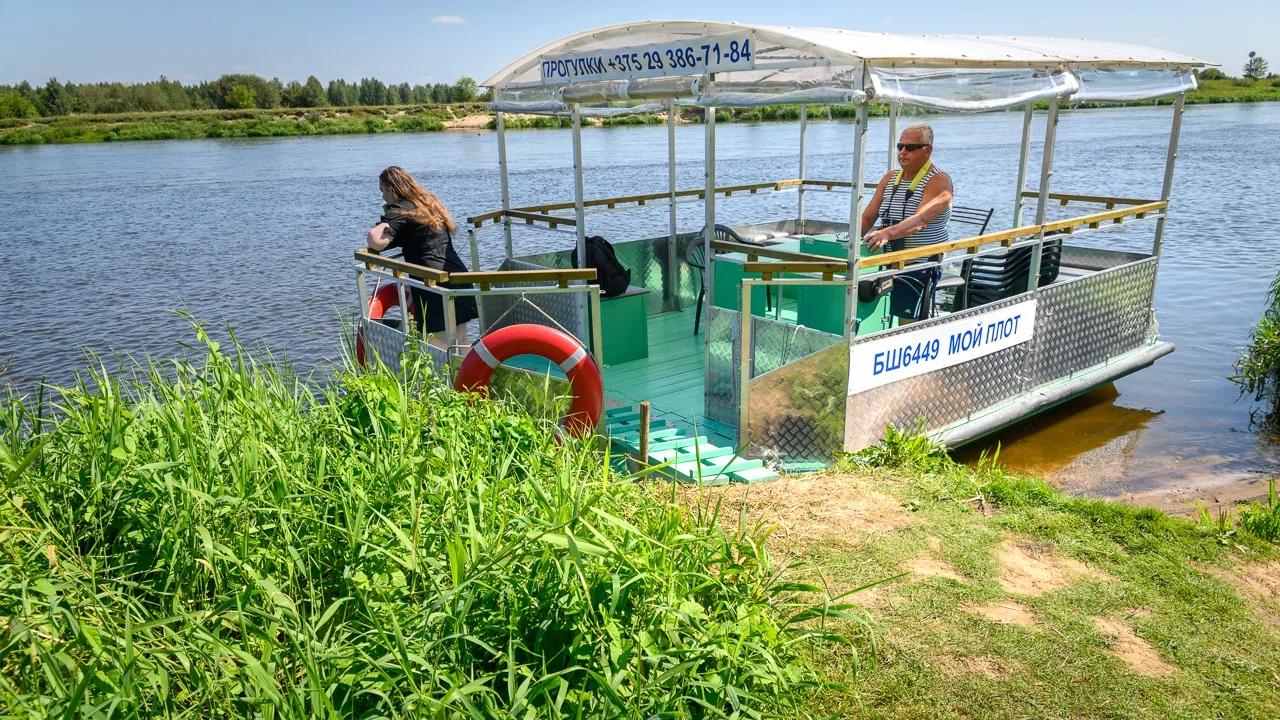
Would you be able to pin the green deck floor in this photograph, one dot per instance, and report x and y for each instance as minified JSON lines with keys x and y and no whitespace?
{"x":673,"y":377}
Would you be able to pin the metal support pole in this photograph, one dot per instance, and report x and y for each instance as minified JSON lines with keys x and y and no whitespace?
{"x":1042,"y":203}
{"x":503,"y":179}
{"x":673,"y":257}
{"x":1023,"y":156}
{"x":475,"y":249}
{"x":403,"y":297}
{"x":475,"y":265}
{"x":597,"y":338}
{"x":361,"y":290}
{"x":1167,"y":188}
{"x":744,"y":361}
{"x":709,"y":228}
{"x":450,"y":327}
{"x":855,"y":219}
{"x":804,"y":124}
{"x":892,"y":157}
{"x":579,"y":212}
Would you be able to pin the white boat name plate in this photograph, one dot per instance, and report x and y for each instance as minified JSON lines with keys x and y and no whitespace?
{"x":708,"y":54}
{"x":878,"y":362}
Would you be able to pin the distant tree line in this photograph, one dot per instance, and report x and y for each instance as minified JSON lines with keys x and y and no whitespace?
{"x":229,"y":92}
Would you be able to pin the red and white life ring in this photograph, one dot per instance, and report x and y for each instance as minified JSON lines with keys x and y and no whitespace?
{"x":560,"y":348}
{"x":384,"y":298}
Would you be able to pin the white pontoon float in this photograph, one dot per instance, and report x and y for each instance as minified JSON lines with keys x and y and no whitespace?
{"x":795,"y":356}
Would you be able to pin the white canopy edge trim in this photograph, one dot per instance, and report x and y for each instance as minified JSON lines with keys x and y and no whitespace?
{"x":817,"y":95}
{"x":559,"y":108}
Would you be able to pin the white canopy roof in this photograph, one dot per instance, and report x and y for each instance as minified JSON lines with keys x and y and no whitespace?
{"x":759,"y":64}
{"x":828,"y":48}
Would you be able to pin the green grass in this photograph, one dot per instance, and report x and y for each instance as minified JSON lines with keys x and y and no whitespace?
{"x":1162,"y":576}
{"x":219,"y":539}
{"x":232,"y":123}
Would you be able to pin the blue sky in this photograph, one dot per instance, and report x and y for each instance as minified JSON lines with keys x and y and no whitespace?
{"x":139,"y":40}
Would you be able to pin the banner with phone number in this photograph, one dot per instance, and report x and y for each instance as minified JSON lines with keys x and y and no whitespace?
{"x":879,"y":362}
{"x":708,"y":54}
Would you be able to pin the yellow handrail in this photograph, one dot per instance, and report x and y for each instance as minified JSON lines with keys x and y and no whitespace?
{"x":898,"y":259}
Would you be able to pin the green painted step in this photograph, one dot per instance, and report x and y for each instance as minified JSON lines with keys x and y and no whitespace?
{"x":753,"y":475}
{"x":632,"y":438}
{"x":703,"y":452}
{"x":714,"y":467}
{"x":626,"y":428}
{"x":676,"y":442}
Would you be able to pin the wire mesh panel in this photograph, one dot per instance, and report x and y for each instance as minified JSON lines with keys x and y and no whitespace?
{"x":1080,"y":323}
{"x":796,"y":397}
{"x":567,"y":308}
{"x":723,"y":329}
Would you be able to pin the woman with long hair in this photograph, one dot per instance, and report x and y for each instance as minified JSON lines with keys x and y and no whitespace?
{"x":416,"y":221}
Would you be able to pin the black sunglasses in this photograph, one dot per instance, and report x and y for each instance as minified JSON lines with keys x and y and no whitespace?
{"x":912,"y":147}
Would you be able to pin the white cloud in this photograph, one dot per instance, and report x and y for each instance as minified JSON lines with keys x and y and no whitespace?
{"x":449,"y":20}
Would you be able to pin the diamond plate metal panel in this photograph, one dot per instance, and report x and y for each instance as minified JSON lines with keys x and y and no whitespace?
{"x":797,"y":393}
{"x":387,"y":343}
{"x":723,"y":328}
{"x":1079,"y":323}
{"x":1088,"y":321}
{"x":381,"y":341}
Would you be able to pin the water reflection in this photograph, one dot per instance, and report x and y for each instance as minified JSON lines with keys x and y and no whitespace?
{"x":1076,"y":445}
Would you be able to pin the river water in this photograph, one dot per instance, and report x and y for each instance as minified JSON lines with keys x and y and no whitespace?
{"x":104,"y":242}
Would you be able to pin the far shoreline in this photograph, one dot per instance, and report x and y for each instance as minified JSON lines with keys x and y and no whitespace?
{"x":474,"y":116}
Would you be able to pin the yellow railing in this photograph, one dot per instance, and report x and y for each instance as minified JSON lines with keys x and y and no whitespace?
{"x":486,"y":280}
{"x":898,"y":259}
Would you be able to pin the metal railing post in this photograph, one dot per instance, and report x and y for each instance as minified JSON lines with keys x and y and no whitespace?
{"x":1170,"y":157}
{"x":804,"y":123}
{"x":894,"y":110}
{"x":673,"y":257}
{"x":1023,"y":156}
{"x":475,"y":265}
{"x":503,"y":178}
{"x":597,"y":341}
{"x":709,"y":206}
{"x":855,"y":217}
{"x":1042,"y":203}
{"x":744,"y":362}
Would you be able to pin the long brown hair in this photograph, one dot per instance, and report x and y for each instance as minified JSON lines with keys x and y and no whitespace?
{"x":427,"y":210}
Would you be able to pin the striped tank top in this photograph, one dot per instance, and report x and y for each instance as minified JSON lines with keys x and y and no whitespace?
{"x":900,"y":202}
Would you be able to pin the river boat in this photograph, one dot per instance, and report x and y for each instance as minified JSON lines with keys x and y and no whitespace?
{"x":768,"y":346}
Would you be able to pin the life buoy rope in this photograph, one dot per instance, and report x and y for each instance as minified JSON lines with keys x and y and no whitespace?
{"x":559,"y":347}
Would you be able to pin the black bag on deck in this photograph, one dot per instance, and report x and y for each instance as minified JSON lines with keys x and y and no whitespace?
{"x":610,"y":274}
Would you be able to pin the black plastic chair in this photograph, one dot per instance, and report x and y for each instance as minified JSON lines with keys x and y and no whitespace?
{"x":979,"y":218}
{"x":972,"y":216}
{"x":696,"y":256}
{"x":724,"y":233}
{"x":995,"y":277}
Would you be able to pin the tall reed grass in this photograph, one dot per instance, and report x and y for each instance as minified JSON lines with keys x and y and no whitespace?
{"x":219,"y":539}
{"x":1257,"y":370}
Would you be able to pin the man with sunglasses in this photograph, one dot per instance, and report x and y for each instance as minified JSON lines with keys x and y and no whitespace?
{"x":910,"y":209}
